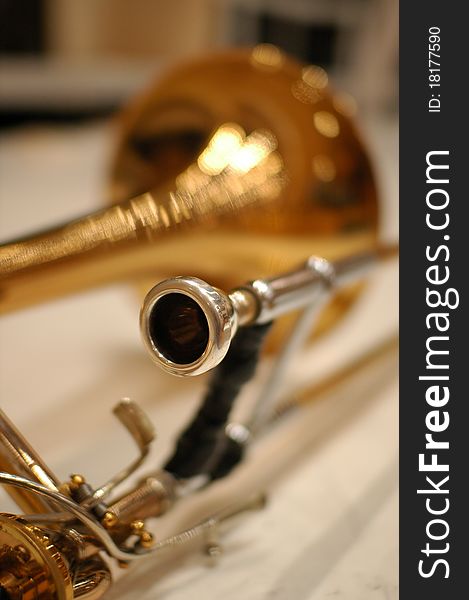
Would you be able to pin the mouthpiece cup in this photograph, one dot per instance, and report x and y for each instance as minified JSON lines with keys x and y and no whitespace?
{"x":187,"y":325}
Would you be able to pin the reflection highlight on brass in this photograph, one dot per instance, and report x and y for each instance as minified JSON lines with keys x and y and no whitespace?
{"x":267,"y":55}
{"x":226,"y":142}
{"x":305,"y":93}
{"x":324,"y":168}
{"x":315,"y":76}
{"x":326,"y":123}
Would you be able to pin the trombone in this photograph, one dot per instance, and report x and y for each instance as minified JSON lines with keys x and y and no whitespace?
{"x":244,"y":183}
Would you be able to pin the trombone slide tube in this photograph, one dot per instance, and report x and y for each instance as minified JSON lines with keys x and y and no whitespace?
{"x":296,"y":289}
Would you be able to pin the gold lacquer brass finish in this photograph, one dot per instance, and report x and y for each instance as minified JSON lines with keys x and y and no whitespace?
{"x":17,"y":456}
{"x":46,"y":564}
{"x":31,"y":566}
{"x":232,"y":167}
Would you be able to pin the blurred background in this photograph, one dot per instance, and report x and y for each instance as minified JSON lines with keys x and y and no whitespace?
{"x":62,"y":59}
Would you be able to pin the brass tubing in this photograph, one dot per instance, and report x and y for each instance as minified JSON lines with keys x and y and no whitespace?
{"x":151,"y":497}
{"x":17,"y":457}
{"x":92,"y":579}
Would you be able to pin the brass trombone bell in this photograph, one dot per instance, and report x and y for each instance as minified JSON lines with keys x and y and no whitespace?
{"x":231,"y":167}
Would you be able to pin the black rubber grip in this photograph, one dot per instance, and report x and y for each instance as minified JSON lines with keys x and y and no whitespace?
{"x":204,"y":448}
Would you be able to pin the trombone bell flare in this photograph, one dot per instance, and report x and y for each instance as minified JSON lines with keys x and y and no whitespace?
{"x":232,"y":167}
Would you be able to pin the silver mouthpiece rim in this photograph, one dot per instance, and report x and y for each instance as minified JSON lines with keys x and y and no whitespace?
{"x":206,"y":309}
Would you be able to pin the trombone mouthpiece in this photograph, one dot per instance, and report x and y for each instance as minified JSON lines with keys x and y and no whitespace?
{"x":187,"y":325}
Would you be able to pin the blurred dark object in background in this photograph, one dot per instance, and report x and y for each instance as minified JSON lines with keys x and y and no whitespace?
{"x":22,"y":27}
{"x":310,"y":42}
{"x":63,"y":60}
